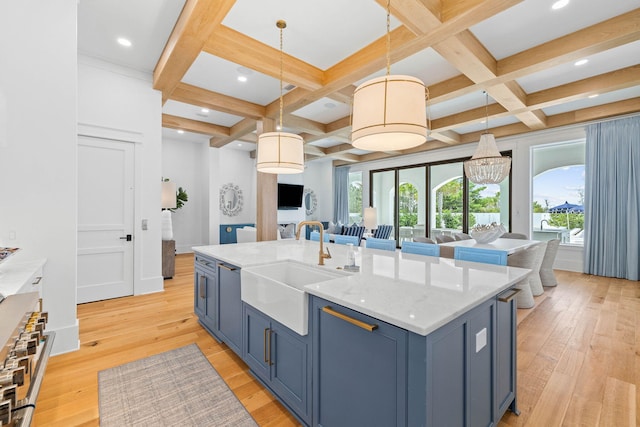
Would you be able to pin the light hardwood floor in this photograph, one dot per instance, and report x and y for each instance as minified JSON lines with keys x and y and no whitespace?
{"x":578,"y":354}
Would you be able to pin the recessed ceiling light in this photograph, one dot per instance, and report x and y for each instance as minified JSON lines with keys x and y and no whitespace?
{"x":124,"y":42}
{"x":180,"y":131}
{"x":278,"y":127}
{"x":559,"y":4}
{"x":595,"y":95}
{"x":242,"y":78}
{"x":239,"y":144}
{"x":581,"y":62}
{"x":205,"y":110}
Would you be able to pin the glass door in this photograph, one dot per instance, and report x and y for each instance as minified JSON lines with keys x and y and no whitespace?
{"x":412,"y":203}
{"x":446,"y":204}
{"x":383,"y":198}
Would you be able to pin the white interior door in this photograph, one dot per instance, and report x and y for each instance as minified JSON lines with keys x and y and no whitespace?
{"x":105,"y":218}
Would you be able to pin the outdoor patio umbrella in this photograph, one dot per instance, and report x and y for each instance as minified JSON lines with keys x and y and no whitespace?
{"x":567,"y":208}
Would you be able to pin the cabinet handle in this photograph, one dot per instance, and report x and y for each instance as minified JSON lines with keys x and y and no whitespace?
{"x":37,"y":281}
{"x":510,"y":294}
{"x":227,"y":268}
{"x":351,"y":320}
{"x":264,"y":345}
{"x":269,"y":348}
{"x":201,"y":288}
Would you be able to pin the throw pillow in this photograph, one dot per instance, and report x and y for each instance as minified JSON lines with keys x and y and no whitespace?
{"x":332,"y":228}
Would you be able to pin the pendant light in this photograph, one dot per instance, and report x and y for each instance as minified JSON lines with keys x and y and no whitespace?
{"x":280,"y":152}
{"x":389,"y":112}
{"x":487,"y":166}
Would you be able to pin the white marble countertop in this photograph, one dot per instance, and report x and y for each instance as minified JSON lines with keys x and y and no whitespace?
{"x":16,"y":271}
{"x":415,"y":292}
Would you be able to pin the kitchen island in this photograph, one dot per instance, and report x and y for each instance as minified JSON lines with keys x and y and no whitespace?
{"x":407,"y":340}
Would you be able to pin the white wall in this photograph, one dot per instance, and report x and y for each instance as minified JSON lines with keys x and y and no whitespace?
{"x":318,"y":176}
{"x":184,"y":164}
{"x":38,"y":72}
{"x":119,"y":103}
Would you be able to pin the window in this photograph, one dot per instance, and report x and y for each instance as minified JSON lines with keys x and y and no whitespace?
{"x":445,"y":203}
{"x":355,"y":197}
{"x":558,"y":192}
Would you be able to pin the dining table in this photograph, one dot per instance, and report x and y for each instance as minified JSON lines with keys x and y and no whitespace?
{"x":511,"y":246}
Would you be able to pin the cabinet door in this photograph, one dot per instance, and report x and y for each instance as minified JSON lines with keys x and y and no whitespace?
{"x":290,"y":371}
{"x":200,"y":293}
{"x":229,"y":307}
{"x":506,"y":322}
{"x":480,"y":375}
{"x":257,"y":328}
{"x":359,"y":369}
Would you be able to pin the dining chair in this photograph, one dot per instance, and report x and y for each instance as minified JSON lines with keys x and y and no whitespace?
{"x":383,"y":231}
{"x":534,"y":277}
{"x":525,"y":259}
{"x":421,"y":239}
{"x":246,"y":234}
{"x":384,"y":244}
{"x":547,"y":276}
{"x":315,"y":236}
{"x":341,"y":239}
{"x":418,"y":248}
{"x":461,"y":236}
{"x":443,"y":238}
{"x":514,"y":236}
{"x":487,"y":256}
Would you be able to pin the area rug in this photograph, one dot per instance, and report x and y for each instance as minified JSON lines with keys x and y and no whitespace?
{"x":176,"y":388}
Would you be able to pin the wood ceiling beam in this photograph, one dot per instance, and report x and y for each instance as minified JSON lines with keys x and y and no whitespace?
{"x":337,"y":149}
{"x":193,"y":95}
{"x":603,"y":83}
{"x":175,"y":122}
{"x":597,"y":38}
{"x":197,"y":21}
{"x":404,"y":43}
{"x":447,"y":136}
{"x":314,"y":151}
{"x":240,"y":49}
{"x":305,"y":125}
{"x":237,"y":131}
{"x":564,"y":119}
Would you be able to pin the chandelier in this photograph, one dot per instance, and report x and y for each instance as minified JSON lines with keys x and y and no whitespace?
{"x":487,"y":166}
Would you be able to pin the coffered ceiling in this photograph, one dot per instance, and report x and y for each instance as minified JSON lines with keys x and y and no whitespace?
{"x":522,"y":53}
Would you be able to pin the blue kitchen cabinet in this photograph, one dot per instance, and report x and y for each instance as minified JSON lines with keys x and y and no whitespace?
{"x":359,"y":369}
{"x":506,"y":327}
{"x":217,"y":300}
{"x":280,"y":358}
{"x":205,"y":279}
{"x":229,"y":306}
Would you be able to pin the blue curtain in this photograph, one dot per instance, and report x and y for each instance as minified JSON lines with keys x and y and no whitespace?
{"x":612,"y":199}
{"x":341,"y":194}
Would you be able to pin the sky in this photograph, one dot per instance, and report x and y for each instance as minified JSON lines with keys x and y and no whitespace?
{"x":559,"y":185}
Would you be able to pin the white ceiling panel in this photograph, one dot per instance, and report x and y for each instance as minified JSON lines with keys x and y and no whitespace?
{"x":194,"y":112}
{"x":221,"y":76}
{"x":606,"y":98}
{"x":321,"y":33}
{"x":604,"y":62}
{"x":184,"y":136}
{"x":324,"y":110}
{"x":146,"y":23}
{"x":533,"y":22}
{"x":456,"y":105}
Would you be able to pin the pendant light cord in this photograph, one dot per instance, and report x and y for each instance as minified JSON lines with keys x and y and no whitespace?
{"x":486,"y":112}
{"x":281,"y":24}
{"x":388,"y":37}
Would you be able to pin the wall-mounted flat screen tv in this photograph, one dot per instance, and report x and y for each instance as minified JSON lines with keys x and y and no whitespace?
{"x":290,"y":196}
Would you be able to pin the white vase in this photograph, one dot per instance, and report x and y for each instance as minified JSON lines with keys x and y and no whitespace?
{"x":166,"y":225}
